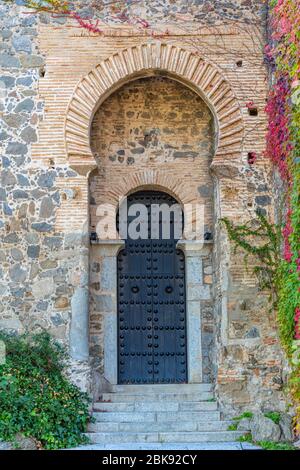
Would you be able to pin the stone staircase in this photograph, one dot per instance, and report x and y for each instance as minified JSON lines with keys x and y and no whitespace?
{"x":159,"y":413}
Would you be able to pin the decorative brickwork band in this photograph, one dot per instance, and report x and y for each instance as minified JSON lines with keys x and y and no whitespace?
{"x":140,"y":61}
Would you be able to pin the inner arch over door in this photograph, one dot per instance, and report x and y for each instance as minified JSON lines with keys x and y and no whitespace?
{"x":151,"y":301}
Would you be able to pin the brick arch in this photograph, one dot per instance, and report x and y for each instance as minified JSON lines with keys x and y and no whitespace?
{"x":147,"y":60}
{"x":150,"y":179}
{"x":147,"y":180}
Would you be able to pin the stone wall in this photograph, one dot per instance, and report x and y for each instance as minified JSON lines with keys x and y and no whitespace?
{"x":44,"y":206}
{"x":40,"y":272}
{"x":179,"y":11}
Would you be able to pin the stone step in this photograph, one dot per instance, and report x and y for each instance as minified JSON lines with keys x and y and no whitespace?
{"x":162,"y":388}
{"x":156,"y":406}
{"x":160,"y":427}
{"x":124,"y":437}
{"x":151,"y":417}
{"x":134,"y":397}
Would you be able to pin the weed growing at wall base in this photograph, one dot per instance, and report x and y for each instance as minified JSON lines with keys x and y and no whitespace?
{"x":36,"y":399}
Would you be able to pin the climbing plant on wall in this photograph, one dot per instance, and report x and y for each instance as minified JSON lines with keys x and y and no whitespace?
{"x":283,"y":148}
{"x":283,"y":145}
{"x":69,"y":9}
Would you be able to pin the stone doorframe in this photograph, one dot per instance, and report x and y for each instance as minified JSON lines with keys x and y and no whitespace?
{"x":194,"y":250}
{"x":150,"y":59}
{"x":196,"y":291}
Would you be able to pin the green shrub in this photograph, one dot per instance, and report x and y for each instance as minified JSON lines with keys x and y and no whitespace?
{"x":274,"y":416}
{"x":237,"y":419}
{"x":246,"y":438}
{"x":232,"y":427}
{"x":268,"y":445}
{"x":36,"y":399}
{"x":246,"y":414}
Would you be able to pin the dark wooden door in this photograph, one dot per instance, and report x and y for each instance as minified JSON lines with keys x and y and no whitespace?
{"x":151,"y":303}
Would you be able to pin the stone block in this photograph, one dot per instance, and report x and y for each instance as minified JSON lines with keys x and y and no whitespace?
{"x":41,"y":227}
{"x":8,"y":178}
{"x":198,"y":292}
{"x":46,"y":208}
{"x":79,"y":325}
{"x":31,"y":61}
{"x":104,"y":303}
{"x":17,"y":273}
{"x":26,"y":105}
{"x":61,"y":302}
{"x":264,"y":429}
{"x":29,"y":135}
{"x":110,"y":347}
{"x":8,"y":61}
{"x":22,"y":43}
{"x":16,"y":148}
{"x":33,"y":251}
{"x":108,"y":274}
{"x":42,"y":288}
{"x":194,"y":270}
{"x":286,"y":427}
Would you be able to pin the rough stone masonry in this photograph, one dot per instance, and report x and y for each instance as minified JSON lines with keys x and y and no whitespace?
{"x":88,"y":118}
